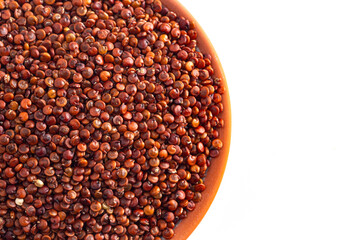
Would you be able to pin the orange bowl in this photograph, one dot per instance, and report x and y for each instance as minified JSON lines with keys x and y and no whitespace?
{"x":216,"y":170}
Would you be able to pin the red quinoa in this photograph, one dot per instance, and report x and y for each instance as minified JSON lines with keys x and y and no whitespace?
{"x":109,"y":119}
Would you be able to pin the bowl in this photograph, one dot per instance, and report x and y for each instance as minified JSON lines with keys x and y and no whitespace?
{"x":216,"y":170}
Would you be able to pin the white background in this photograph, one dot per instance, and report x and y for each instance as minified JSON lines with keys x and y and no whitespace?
{"x":293,"y":69}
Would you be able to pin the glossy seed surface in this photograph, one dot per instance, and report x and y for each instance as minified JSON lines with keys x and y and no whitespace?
{"x":109,"y":119}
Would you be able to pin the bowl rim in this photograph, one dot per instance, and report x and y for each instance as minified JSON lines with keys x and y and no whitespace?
{"x":218,"y":165}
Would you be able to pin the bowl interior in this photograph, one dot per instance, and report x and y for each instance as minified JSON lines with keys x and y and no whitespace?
{"x":216,"y":170}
